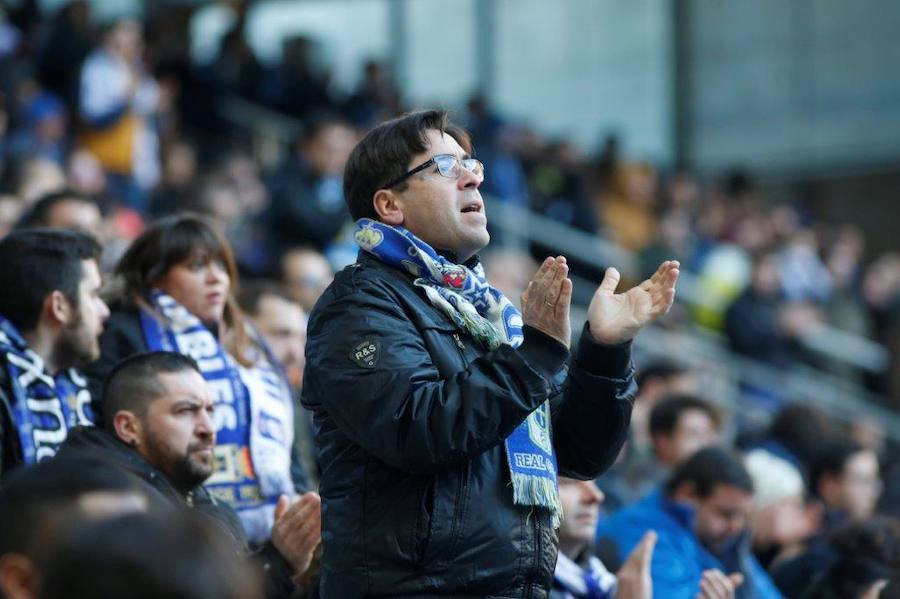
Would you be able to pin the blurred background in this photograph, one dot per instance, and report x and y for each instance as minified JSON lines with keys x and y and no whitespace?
{"x":758,"y":143}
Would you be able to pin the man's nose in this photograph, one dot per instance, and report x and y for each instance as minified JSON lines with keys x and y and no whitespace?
{"x":590,"y":494}
{"x":204,"y":425}
{"x":468,"y":180}
{"x":104,"y":311}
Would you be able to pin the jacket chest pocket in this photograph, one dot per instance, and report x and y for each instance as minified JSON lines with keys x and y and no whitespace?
{"x":451,"y":350}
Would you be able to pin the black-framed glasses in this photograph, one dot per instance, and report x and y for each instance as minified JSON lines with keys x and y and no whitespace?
{"x":448,"y":166}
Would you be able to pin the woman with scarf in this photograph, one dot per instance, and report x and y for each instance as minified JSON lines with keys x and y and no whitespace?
{"x":178,"y":280}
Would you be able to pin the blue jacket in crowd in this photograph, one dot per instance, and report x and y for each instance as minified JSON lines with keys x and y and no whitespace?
{"x":679,"y":558}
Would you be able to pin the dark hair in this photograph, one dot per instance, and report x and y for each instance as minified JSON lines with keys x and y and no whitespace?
{"x":666,"y":413}
{"x":39,"y":215}
{"x":708,"y":468}
{"x":140,"y":556}
{"x":36,"y":501}
{"x":319,"y":121}
{"x":253,"y":291}
{"x":37,"y":262}
{"x":801,"y":428}
{"x":831,"y":460}
{"x":134,"y":382}
{"x":385,"y":152}
{"x":659,"y":369}
{"x":866,"y":552}
{"x":169,"y":242}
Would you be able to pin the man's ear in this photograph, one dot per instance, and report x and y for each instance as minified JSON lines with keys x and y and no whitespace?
{"x":18,"y":577}
{"x":387,"y":205}
{"x":128,"y":427}
{"x":58,"y":307}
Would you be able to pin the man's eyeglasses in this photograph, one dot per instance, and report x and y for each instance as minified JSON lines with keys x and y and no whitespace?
{"x":448,"y":166}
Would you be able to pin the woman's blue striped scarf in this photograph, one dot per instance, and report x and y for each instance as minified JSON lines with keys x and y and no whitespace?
{"x":486,"y":315}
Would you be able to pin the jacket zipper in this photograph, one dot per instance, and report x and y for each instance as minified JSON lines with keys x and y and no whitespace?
{"x":459,"y":342}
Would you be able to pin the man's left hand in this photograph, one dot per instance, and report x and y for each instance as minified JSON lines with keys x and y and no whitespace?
{"x":617,"y":317}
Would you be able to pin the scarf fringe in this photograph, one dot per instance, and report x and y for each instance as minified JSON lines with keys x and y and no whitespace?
{"x":530,"y":489}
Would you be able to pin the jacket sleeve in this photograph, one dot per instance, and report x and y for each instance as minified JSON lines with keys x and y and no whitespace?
{"x":592,"y":414}
{"x":399,"y":409}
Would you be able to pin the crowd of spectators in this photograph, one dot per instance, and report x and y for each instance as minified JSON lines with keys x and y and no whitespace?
{"x":109,"y":127}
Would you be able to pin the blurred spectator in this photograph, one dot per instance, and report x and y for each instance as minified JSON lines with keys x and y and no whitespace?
{"x":118,"y":103}
{"x":680,"y":425}
{"x":179,"y":557}
{"x":296,"y":86}
{"x":43,"y":132}
{"x":376,"y":97}
{"x":39,"y":505}
{"x":85,"y":173}
{"x":627,"y":207}
{"x":558,"y":189}
{"x":638,"y":470}
{"x":179,"y":171}
{"x":50,"y":318}
{"x":308,"y":205}
{"x":11,"y":209}
{"x":67,"y":44}
{"x":236,"y":69}
{"x":803,"y":276}
{"x":701,"y":519}
{"x":850,"y":562}
{"x":282,"y":323}
{"x":866,"y":556}
{"x":305,"y":273}
{"x":782,"y":522}
{"x":31,"y":178}
{"x":796,"y":434}
{"x":761,"y":325}
{"x":580,"y":574}
{"x":66,"y":210}
{"x":845,"y":477}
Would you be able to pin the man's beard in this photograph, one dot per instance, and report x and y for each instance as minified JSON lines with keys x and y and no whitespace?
{"x":182,"y":471}
{"x":75,"y":347}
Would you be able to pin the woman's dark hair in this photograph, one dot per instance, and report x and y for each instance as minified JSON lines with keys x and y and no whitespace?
{"x":385,"y":152}
{"x":169,"y":242}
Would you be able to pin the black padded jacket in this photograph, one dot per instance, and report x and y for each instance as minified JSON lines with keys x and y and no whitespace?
{"x":410,"y":417}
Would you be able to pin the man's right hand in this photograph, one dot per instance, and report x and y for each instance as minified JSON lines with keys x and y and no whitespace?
{"x":633,"y":580}
{"x":298,"y":529}
{"x":716,"y":585}
{"x":545,"y":303}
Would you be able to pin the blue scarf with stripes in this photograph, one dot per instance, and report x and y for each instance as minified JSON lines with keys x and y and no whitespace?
{"x":44,"y":407}
{"x":485,"y":314}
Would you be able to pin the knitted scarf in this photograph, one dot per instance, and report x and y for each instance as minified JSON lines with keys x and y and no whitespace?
{"x":44,"y":407}
{"x":487,"y":316}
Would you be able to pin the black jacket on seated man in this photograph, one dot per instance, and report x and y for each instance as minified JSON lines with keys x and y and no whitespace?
{"x":416,"y":501}
{"x":93,"y":443}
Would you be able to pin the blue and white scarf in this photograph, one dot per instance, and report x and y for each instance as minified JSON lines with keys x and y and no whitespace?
{"x":44,"y":407}
{"x":486,"y":315}
{"x":253,"y":415}
{"x":593,"y":582}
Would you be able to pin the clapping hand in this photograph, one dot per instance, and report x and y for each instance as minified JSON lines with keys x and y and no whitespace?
{"x":297,"y":530}
{"x":545,"y":303}
{"x":617,"y":317}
